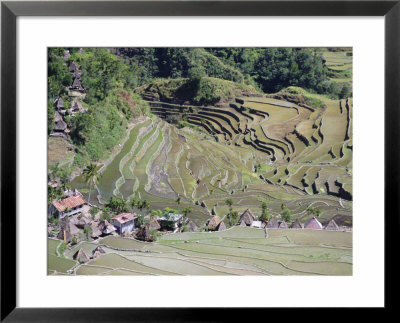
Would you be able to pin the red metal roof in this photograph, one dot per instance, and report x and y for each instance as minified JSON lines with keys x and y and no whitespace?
{"x":70,"y":202}
{"x":124,"y":217}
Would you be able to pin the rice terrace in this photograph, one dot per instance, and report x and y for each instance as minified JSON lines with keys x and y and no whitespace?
{"x":200,"y":161}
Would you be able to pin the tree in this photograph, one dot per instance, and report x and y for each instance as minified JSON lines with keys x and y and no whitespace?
{"x":314,"y":211}
{"x":187,"y":210}
{"x":234,"y":218}
{"x":140,"y":220}
{"x":229,"y":202}
{"x":286,"y":215}
{"x":143,"y":205}
{"x":133,"y":202}
{"x":87,"y":231}
{"x":91,"y":175}
{"x":117,"y":205}
{"x":154,"y":213}
{"x":264,"y":212}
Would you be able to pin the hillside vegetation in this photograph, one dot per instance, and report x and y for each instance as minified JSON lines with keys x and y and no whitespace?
{"x":195,"y":126}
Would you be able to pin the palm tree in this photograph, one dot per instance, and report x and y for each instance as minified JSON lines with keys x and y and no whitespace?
{"x":92,"y":176}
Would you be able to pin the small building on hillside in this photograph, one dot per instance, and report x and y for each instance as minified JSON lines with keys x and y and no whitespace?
{"x":296,"y":225}
{"x":144,"y":233}
{"x":192,"y":226}
{"x":57,"y":117}
{"x":154,"y":225}
{"x":76,"y":85}
{"x":98,"y":252}
{"x":213,"y":222}
{"x":332,"y":226}
{"x":282,"y":225}
{"x":313,"y":224}
{"x":171,"y":221}
{"x":258,"y":224}
{"x":68,"y":206}
{"x":273,"y":224}
{"x":60,"y":126}
{"x":81,"y":256}
{"x":247,"y":217}
{"x":59,"y":104}
{"x":124,"y":222}
{"x":106,"y":227}
{"x":96,"y":232}
{"x":73,"y":67}
{"x":221,"y":226}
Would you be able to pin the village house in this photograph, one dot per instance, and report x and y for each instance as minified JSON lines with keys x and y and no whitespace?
{"x":296,"y":225}
{"x":59,"y":104}
{"x":247,"y":217}
{"x":171,"y":221}
{"x":76,"y":85}
{"x":73,"y":67}
{"x":68,"y":206}
{"x":258,"y":224}
{"x":124,"y":222}
{"x":314,"y":224}
{"x":332,"y":226}
{"x":213,"y":222}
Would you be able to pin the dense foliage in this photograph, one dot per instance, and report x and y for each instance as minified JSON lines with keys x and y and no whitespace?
{"x":107,"y":81}
{"x":269,"y":69}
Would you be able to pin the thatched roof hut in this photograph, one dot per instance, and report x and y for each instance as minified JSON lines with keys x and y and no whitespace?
{"x":242,"y":224}
{"x":76,"y":105}
{"x":73,"y":67}
{"x":154,"y":225}
{"x":192,"y":226}
{"x":106,"y":227}
{"x":221,"y":226}
{"x":81,"y":256}
{"x":96,"y":232}
{"x":282,"y":225}
{"x":66,"y":224}
{"x":247,"y":217}
{"x":272,"y":224}
{"x":296,"y":225}
{"x":59,"y":103}
{"x":313,"y":224}
{"x":144,"y":233}
{"x":64,"y":235}
{"x":98,"y":252}
{"x":213,"y":223}
{"x":60,"y":125}
{"x":57,"y":117}
{"x":332,"y":226}
{"x":77,"y":74}
{"x":76,"y":85}
{"x":82,"y":221}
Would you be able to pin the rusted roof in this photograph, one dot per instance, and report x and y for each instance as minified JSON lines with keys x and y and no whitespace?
{"x":70,"y":202}
{"x":124,"y":217}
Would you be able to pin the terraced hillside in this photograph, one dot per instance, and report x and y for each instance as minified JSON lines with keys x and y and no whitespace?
{"x":236,"y":251}
{"x":275,"y":148}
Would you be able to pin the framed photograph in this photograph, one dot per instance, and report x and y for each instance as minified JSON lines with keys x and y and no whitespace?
{"x":178,"y":155}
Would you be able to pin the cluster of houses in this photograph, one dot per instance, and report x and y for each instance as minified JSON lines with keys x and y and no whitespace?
{"x":60,"y":128}
{"x":249,"y":219}
{"x":74,"y":220}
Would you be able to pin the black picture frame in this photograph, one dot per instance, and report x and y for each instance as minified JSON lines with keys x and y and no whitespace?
{"x":10,"y":10}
